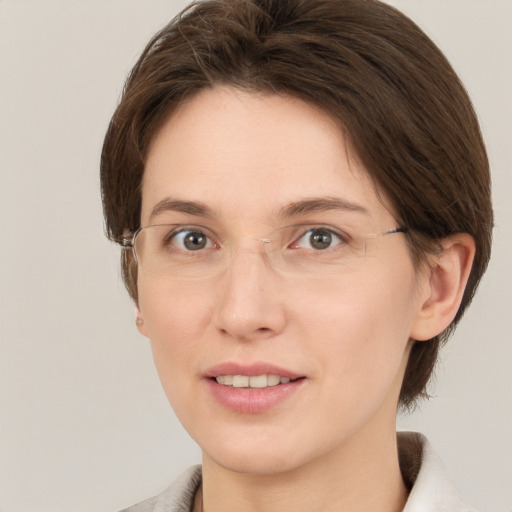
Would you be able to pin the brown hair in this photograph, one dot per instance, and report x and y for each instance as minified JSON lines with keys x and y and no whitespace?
{"x":371,"y":68}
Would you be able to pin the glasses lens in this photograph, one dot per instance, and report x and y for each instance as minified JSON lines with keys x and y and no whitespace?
{"x":315,"y":251}
{"x":175,"y":251}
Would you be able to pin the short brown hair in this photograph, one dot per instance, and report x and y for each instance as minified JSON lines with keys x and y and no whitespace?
{"x":371,"y":68}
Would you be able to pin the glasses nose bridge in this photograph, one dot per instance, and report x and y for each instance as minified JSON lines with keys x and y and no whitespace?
{"x":266,"y":242}
{"x":263,"y":247}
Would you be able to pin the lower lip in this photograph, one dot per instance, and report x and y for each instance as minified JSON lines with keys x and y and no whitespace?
{"x":253,"y":400}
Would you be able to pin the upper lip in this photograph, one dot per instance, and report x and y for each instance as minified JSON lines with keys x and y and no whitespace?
{"x":250,"y":370}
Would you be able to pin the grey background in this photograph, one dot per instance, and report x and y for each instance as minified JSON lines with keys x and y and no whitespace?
{"x":84,"y":425}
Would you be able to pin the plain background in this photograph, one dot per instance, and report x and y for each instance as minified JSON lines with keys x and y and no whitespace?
{"x":84,"y":425}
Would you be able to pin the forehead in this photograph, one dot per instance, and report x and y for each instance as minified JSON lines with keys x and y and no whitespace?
{"x":252,"y":154}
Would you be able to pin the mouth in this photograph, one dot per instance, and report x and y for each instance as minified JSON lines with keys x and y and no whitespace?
{"x":253,"y":388}
{"x":256,"y":381}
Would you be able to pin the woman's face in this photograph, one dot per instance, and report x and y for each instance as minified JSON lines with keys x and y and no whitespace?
{"x":241,"y":165}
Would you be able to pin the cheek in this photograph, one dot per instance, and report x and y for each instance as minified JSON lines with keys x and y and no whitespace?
{"x":367,"y":302}
{"x":362,"y":330}
{"x":175,"y":319}
{"x":171,"y":310}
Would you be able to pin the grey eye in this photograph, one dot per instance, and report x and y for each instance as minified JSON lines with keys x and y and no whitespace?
{"x":318,"y":239}
{"x":191,"y":240}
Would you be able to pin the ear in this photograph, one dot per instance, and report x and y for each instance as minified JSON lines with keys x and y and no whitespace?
{"x":139,"y":322}
{"x":443,"y":287}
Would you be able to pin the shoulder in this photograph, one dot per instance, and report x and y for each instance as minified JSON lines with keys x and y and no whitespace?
{"x":178,"y":497}
{"x":431,"y":487}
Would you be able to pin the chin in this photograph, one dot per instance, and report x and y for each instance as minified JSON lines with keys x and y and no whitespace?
{"x":264,"y":452}
{"x":260,"y":464}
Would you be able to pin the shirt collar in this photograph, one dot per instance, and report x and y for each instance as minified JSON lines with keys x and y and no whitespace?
{"x":431,"y":488}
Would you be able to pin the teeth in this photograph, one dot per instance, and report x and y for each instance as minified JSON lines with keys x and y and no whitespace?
{"x":273,"y":380}
{"x":258,"y":381}
{"x":228,"y":380}
{"x":240,"y":381}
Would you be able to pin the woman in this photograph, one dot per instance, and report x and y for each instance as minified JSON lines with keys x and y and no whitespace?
{"x":302,"y":195}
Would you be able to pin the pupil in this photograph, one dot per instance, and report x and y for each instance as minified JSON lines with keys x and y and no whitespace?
{"x":195,"y":241}
{"x":321,"y":239}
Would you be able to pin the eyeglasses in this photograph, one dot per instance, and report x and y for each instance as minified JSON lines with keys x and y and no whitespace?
{"x":178,"y":251}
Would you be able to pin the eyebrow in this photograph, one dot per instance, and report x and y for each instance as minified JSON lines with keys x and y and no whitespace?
{"x":321,"y":204}
{"x":194,"y":208}
{"x":294,"y":209}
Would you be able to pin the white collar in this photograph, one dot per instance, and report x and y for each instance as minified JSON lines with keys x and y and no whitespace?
{"x":432,"y":489}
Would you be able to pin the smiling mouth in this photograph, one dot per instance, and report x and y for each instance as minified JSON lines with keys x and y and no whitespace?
{"x":257,"y":381}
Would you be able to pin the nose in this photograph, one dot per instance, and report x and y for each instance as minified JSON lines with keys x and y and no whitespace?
{"x":250,"y":304}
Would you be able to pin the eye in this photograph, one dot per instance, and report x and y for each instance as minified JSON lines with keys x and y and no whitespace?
{"x":318,"y":239}
{"x":189,"y":240}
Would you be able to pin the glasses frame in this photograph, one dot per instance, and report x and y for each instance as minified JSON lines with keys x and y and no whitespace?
{"x":129,"y":243}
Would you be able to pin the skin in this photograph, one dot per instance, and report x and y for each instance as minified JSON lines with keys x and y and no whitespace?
{"x":332,"y":444}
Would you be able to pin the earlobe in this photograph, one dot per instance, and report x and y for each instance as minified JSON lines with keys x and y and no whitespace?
{"x":444,"y":286}
{"x":139,"y":322}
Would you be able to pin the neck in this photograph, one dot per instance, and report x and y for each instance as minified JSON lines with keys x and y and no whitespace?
{"x":359,"y":476}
